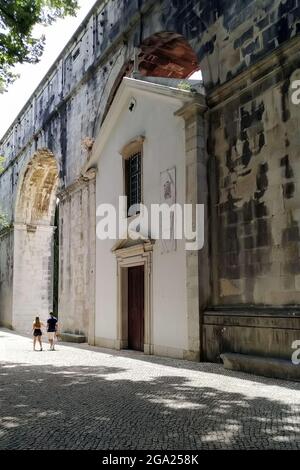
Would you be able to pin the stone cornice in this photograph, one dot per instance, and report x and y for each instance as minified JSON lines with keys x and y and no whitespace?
{"x":82,"y":180}
{"x":32,"y":228}
{"x":134,"y":146}
{"x":198,"y":106}
{"x":139,"y":248}
{"x":255,"y":74}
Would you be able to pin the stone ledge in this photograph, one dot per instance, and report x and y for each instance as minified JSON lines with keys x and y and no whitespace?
{"x":265,"y":366}
{"x":254,"y":311}
{"x":72,"y":338}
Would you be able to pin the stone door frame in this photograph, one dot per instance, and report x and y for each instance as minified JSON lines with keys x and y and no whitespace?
{"x":137,"y":255}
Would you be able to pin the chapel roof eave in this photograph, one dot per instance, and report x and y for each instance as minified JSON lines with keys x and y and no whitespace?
{"x":127,"y":88}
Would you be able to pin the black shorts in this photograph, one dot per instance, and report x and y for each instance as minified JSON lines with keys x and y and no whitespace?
{"x":37,"y":332}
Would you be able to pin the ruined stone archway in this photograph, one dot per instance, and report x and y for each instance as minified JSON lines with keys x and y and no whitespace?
{"x":163,"y":55}
{"x":36,"y":196}
{"x":167,"y":55}
{"x":33,"y":240}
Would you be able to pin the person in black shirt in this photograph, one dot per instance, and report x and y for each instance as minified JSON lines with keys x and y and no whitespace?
{"x":52,"y":324}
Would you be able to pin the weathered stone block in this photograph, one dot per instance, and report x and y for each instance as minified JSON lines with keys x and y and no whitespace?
{"x":268,"y":367}
{"x":72,"y":338}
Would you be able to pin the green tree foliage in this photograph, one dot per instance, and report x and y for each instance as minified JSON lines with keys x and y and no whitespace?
{"x":18,"y":43}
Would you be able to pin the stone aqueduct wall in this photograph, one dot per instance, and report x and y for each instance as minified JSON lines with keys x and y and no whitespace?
{"x":249,"y":54}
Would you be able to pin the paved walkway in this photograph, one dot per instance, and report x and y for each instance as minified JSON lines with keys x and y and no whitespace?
{"x":80,"y":397}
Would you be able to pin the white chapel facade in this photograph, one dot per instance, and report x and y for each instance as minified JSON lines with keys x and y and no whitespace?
{"x":146,"y":295}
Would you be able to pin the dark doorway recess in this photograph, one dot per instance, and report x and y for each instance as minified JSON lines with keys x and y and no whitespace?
{"x":136,"y":308}
{"x":56,"y":262}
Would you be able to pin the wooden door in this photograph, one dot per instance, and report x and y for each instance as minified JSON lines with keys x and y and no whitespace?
{"x":136,"y":308}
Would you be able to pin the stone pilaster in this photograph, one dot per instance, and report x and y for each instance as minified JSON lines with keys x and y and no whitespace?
{"x":32,"y":275}
{"x":196,"y":192}
{"x":77,"y":257}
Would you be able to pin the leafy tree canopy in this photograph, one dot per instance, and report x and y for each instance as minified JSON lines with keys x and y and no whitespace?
{"x":18,"y":43}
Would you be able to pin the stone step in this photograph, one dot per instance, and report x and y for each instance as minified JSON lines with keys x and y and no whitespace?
{"x":265,"y":366}
{"x":72,"y":338}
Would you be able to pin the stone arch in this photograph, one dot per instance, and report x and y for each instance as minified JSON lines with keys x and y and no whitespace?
{"x":36,"y":194}
{"x":165,"y":54}
{"x":33,"y":240}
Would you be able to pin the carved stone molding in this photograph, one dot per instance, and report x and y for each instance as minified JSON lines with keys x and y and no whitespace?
{"x":84,"y":179}
{"x":135,"y":145}
{"x":137,"y":255}
{"x":89,"y":174}
{"x":194,"y":108}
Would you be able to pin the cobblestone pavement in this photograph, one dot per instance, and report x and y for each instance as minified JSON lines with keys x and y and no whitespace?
{"x":80,"y":397}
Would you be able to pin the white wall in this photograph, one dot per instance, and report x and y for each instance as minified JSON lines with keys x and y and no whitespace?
{"x":32,"y":276}
{"x":77,"y":260}
{"x":163,"y":149}
{"x":6,"y":278}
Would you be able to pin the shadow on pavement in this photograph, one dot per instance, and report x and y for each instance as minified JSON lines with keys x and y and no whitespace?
{"x":50,"y":407}
{"x":206,"y":367}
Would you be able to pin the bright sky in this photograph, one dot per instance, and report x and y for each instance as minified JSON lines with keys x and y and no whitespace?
{"x":57,"y":37}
